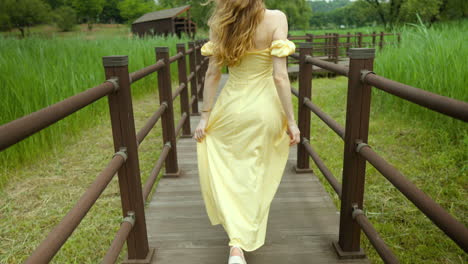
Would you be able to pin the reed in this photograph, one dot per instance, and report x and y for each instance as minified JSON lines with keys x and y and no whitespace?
{"x":38,"y":72}
{"x":433,"y":59}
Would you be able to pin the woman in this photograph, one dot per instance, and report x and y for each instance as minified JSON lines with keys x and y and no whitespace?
{"x":242,"y":140}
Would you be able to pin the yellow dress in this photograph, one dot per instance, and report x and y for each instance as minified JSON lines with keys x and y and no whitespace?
{"x":242,"y":157}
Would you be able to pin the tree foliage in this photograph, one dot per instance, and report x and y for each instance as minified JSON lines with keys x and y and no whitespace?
{"x":132,"y":9}
{"x":65,"y":18}
{"x":22,"y":14}
{"x":88,"y":10}
{"x":297,"y":11}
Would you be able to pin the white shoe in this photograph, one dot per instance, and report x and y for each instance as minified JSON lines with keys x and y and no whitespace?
{"x":236,"y":259}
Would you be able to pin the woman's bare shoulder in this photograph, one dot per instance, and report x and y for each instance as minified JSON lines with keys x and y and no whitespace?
{"x":274,"y":16}
{"x":274,"y":13}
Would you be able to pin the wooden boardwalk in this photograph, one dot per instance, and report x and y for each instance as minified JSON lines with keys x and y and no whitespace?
{"x":302,"y":224}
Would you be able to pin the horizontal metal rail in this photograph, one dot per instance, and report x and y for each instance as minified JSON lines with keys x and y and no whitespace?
{"x":377,"y":242}
{"x":336,"y":185}
{"x":155,"y":171}
{"x":176,"y":57}
{"x":150,"y":123}
{"x":59,"y":235}
{"x":137,"y":75}
{"x":445,"y":105}
{"x":122,"y":234}
{"x":190,"y":77}
{"x":295,"y":91}
{"x":192,"y":100}
{"x":178,"y":90}
{"x":330,"y":122}
{"x":19,"y":129}
{"x":446,"y":222}
{"x":339,"y":69}
{"x":180,"y":124}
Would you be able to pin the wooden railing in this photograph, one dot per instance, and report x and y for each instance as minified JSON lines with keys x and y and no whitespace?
{"x":357,"y":151}
{"x":125,"y":161}
{"x":334,"y":46}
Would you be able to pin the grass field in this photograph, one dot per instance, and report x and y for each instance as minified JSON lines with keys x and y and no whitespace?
{"x":38,"y":72}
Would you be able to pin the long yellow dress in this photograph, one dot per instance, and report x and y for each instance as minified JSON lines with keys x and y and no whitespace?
{"x":242,"y":157}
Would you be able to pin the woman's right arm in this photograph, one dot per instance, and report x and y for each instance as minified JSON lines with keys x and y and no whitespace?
{"x":280,"y":70}
{"x":281,"y":78}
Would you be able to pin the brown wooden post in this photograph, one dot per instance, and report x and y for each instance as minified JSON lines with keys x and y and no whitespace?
{"x":189,"y":25}
{"x":348,"y":42}
{"x":167,"y":118}
{"x":337,"y":47}
{"x":311,"y":40}
{"x":399,"y":39}
{"x":193,"y":82}
{"x":123,"y":131}
{"x":360,"y":39}
{"x":328,"y":49}
{"x":184,"y":96}
{"x":199,"y":73}
{"x":305,"y":90}
{"x":354,"y":166}
{"x":204,"y":69}
{"x":381,"y":40}
{"x":374,"y":34}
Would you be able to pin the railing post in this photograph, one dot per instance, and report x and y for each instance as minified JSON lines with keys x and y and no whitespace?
{"x":167,"y":118}
{"x":354,"y":166}
{"x":305,"y":90}
{"x":199,"y":73}
{"x":381,"y":40}
{"x":193,"y":82}
{"x":123,"y":131}
{"x":399,"y":39}
{"x":328,"y":45}
{"x":360,"y":39}
{"x":337,"y":47}
{"x":184,"y":96}
{"x":348,"y":42}
{"x":310,"y":39}
{"x":374,"y":34}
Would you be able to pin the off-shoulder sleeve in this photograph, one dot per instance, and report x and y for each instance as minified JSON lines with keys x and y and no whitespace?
{"x":207,"y":48}
{"x":282,"y":47}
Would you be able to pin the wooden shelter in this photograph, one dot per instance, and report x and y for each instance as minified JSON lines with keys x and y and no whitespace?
{"x":165,"y":22}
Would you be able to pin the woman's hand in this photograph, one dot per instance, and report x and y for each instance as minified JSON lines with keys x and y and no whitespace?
{"x":294,"y":133}
{"x":199,"y":133}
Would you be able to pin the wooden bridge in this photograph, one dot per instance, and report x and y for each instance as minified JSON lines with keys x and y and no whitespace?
{"x":303,"y":222}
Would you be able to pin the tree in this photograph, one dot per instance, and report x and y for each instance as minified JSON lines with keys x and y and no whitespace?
{"x":132,"y":9}
{"x":88,"y":10}
{"x":110,"y":12}
{"x":65,"y":18}
{"x":297,"y":11}
{"x":426,"y":10}
{"x":22,"y":14}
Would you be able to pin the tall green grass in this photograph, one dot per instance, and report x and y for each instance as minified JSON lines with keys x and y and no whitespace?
{"x":37,"y":72}
{"x":433,"y":59}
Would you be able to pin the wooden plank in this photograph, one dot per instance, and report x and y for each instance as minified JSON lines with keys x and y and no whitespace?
{"x":302,"y":222}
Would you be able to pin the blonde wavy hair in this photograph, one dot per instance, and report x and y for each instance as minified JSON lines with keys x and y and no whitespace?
{"x":233,"y":24}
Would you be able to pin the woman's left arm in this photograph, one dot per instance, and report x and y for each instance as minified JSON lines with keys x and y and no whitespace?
{"x":212,"y":78}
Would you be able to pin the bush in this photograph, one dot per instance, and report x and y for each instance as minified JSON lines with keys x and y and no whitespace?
{"x":65,"y":18}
